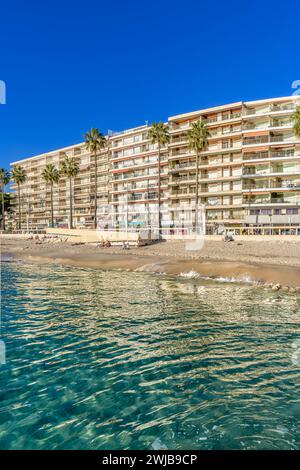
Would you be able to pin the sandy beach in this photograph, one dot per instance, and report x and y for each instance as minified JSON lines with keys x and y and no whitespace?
{"x":265,"y":261}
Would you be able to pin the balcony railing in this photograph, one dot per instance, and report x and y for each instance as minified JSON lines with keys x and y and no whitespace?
{"x":183,"y":178}
{"x":265,"y":155}
{"x":179,"y":166}
{"x":282,"y":107}
{"x":179,"y":141}
{"x":256,"y":140}
{"x":278,"y":200}
{"x":183,"y":192}
{"x":273,"y":185}
{"x":271,"y":108}
{"x":265,"y":139}
{"x":294,"y":171}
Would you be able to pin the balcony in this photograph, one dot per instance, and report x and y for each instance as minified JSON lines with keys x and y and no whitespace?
{"x":282,"y":107}
{"x":180,"y":153}
{"x":254,"y":172}
{"x":284,"y":154}
{"x":268,"y":155}
{"x":224,"y":133}
{"x":183,"y":178}
{"x":251,"y":126}
{"x":266,"y":139}
{"x":183,"y":192}
{"x":273,"y":186}
{"x":212,"y":120}
{"x":271,"y":200}
{"x":130,"y":164}
{"x":182,"y":166}
{"x":178,"y":141}
{"x":269,"y":109}
{"x":277,"y":123}
{"x":179,"y":127}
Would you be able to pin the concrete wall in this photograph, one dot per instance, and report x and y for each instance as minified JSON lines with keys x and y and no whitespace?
{"x":92,"y":236}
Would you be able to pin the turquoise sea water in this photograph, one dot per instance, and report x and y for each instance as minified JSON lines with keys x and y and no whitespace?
{"x":120,"y":360}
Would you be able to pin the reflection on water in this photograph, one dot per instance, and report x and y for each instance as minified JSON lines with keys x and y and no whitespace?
{"x":108,"y":360}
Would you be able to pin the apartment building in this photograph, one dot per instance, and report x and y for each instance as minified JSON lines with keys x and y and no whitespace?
{"x":249,"y":175}
{"x":35,"y":193}
{"x":134,"y":180}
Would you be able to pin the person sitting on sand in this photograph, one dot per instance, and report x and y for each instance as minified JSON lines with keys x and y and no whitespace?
{"x":228,"y":238}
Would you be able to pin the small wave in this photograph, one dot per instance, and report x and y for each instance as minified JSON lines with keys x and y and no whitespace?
{"x":152,"y":268}
{"x":190,"y":275}
{"x":245,"y":278}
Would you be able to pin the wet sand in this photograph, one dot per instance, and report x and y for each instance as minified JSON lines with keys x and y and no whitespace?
{"x":274,"y":262}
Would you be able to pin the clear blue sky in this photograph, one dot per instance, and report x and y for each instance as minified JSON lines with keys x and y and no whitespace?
{"x":72,"y":65}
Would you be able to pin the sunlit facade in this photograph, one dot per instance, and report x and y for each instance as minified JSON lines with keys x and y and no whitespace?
{"x":249,"y":178}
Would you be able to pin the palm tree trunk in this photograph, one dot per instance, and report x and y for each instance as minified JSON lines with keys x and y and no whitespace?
{"x":19,"y":203}
{"x":108,"y":173}
{"x":159,"y":198}
{"x":95,"y":202}
{"x":3,"y":218}
{"x":71,"y":204}
{"x":197,"y":191}
{"x":51,"y":196}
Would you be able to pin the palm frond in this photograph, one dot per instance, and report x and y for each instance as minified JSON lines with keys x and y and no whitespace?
{"x":19,"y":174}
{"x":69,"y":167}
{"x":50,"y":174}
{"x":159,"y":133}
{"x":198,"y":136}
{"x":296,"y":121}
{"x":95,"y":140}
{"x":4,"y":176}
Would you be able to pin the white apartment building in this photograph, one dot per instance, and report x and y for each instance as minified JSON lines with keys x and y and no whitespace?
{"x":249,"y":178}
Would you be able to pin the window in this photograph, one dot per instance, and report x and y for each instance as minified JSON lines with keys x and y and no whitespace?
{"x":292,"y":211}
{"x":254,"y":212}
{"x":266,"y":211}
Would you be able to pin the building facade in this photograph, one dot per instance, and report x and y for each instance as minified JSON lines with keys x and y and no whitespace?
{"x":249,"y":175}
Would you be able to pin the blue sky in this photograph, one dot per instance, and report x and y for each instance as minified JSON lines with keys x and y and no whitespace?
{"x":69,"y":66}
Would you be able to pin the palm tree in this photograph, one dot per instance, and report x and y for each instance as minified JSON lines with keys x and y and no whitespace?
{"x":51,"y":175}
{"x":19,"y":176}
{"x":4,"y":180}
{"x":198,"y":141}
{"x":296,"y":120}
{"x":159,"y":134}
{"x":70,"y":169}
{"x":95,"y":142}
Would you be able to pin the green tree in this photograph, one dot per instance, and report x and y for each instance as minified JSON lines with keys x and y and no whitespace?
{"x":198,"y":142}
{"x":296,"y":121}
{"x":159,"y":134}
{"x":19,"y":176}
{"x":95,"y":142}
{"x":4,"y":180}
{"x":51,"y":175}
{"x":70,"y":169}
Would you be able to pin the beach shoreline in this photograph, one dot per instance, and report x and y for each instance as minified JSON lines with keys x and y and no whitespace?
{"x":265,"y":262}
